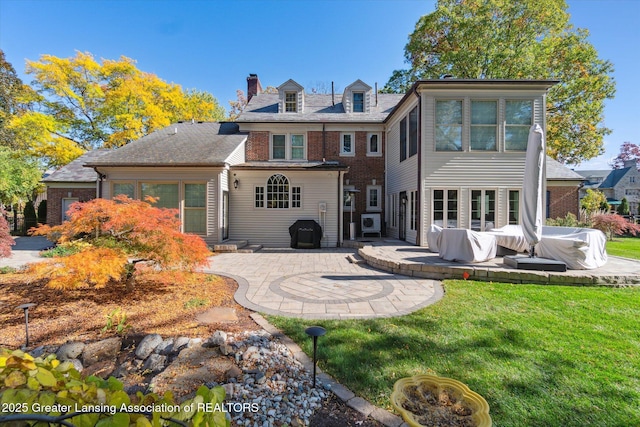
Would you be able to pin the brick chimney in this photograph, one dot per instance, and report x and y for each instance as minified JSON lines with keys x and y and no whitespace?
{"x":630,"y":163}
{"x":253,"y":86}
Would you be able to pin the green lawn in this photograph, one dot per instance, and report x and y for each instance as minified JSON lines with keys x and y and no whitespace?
{"x":540,"y":355}
{"x":628,"y":247}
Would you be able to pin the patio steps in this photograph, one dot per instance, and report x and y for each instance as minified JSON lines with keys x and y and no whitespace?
{"x":236,"y":246}
{"x":356,"y":259}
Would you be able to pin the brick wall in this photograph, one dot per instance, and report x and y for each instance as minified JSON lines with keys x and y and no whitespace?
{"x":54,"y":201}
{"x":563,"y":200}
{"x":362,"y":168}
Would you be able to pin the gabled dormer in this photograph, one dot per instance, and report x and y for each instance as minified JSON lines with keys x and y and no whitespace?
{"x":357,"y":97}
{"x":291,"y":97}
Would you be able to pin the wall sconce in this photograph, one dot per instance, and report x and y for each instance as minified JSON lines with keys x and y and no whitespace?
{"x":346,"y":181}
{"x":235,"y":183}
{"x":373,"y":181}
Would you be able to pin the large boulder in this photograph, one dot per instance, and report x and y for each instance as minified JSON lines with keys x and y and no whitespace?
{"x":147,"y":345}
{"x":102,"y":350}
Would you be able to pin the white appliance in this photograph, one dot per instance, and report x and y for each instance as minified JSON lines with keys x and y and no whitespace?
{"x":370,"y":223}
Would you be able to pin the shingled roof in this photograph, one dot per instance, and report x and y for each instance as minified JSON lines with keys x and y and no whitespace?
{"x":180,"y":144}
{"x":75,"y":171}
{"x":558,"y":172}
{"x":263,"y":108}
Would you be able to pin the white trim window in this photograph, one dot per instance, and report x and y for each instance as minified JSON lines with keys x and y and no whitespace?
{"x":514,"y":207}
{"x":277,"y":194}
{"x":259,"y":197}
{"x":449,"y":125}
{"x":374,"y":198}
{"x":484,"y":126}
{"x":445,"y":205}
{"x":288,"y":147}
{"x":291,"y":102}
{"x":483,"y":209}
{"x":348,"y":144}
{"x":413,"y":223}
{"x":374,"y":144}
{"x":195,"y":208}
{"x":127,"y":188}
{"x":393,"y":210}
{"x":518,"y":121}
{"x":358,"y":102}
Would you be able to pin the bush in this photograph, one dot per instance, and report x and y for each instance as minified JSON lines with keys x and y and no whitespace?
{"x":6,"y":241}
{"x":30,"y":218}
{"x":43,"y":385}
{"x":614,"y":224}
{"x":623,"y":208}
{"x":568,"y":221}
{"x":42,"y":212}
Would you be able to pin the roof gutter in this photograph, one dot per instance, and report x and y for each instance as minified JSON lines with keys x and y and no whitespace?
{"x":101,"y":177}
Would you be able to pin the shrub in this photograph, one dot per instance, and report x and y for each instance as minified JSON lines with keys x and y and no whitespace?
{"x":121,"y":233}
{"x":568,"y":221}
{"x":35,"y":385}
{"x":42,"y":212}
{"x":613,"y":224}
{"x":30,"y":218}
{"x":6,"y":241}
{"x":623,"y":208}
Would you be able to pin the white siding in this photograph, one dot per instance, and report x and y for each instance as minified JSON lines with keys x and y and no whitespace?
{"x":270,"y":227}
{"x":238,"y":156}
{"x":401,"y":176}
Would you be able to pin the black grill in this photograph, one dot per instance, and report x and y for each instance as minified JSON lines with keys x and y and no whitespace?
{"x":305,"y":234}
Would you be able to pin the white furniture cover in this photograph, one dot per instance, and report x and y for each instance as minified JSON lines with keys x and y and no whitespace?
{"x":433,"y":237}
{"x":579,"y":248}
{"x":459,"y":244}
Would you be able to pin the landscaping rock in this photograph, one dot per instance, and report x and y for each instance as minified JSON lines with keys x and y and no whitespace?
{"x":154,"y":363}
{"x":232,"y":372}
{"x":217,"y":339}
{"x":165,"y":347}
{"x":77,"y":364}
{"x":226,"y":349}
{"x":179,"y":344}
{"x":70,"y":350}
{"x":102,"y":369}
{"x":147,"y":345}
{"x":102,"y":350}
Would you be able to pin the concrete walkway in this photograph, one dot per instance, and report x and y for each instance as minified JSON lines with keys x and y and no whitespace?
{"x":25,"y":251}
{"x":321,"y":284}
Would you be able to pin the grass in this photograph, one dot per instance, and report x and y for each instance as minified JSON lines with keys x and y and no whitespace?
{"x":627,"y":247}
{"x":540,"y":355}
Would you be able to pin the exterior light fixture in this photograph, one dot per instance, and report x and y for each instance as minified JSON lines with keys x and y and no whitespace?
{"x":26,"y":308}
{"x":315,"y":332}
{"x":236,"y":183}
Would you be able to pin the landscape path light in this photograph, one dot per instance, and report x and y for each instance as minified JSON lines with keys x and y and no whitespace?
{"x":26,"y":308}
{"x":315,"y":332}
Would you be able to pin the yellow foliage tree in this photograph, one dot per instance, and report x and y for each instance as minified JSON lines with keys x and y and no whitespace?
{"x":84,"y":104}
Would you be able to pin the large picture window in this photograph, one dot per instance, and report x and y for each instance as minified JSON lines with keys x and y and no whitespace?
{"x":278,"y":192}
{"x":518,"y":121}
{"x":124,"y":188}
{"x":484,"y":119}
{"x":167,"y":194}
{"x":449,"y":125}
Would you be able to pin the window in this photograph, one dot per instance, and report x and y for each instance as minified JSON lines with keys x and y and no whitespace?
{"x":483,"y":209}
{"x":358,"y":102}
{"x":195,"y":208}
{"x":403,"y":139}
{"x":374,"y":144}
{"x":484,"y":119}
{"x":445,"y":205}
{"x":449,"y":125}
{"x":413,"y":132}
{"x":413,"y":201}
{"x":167,"y":194}
{"x":518,"y":120}
{"x":514,"y":207}
{"x":348,"y":198}
{"x":632,"y":179}
{"x":290,"y":102}
{"x":374,"y":201}
{"x":126,"y":188}
{"x":296,"y":193}
{"x":278,"y":192}
{"x":288,"y":147}
{"x":347,"y":144}
{"x":259,"y":197}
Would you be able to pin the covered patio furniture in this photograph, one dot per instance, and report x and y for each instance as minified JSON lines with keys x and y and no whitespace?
{"x":433,"y":237}
{"x":459,"y":244}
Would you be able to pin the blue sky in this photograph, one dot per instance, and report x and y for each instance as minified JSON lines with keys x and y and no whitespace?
{"x":214,"y":45}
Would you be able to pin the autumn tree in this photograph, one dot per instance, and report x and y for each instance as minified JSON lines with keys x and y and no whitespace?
{"x":238,"y":106}
{"x":614,"y":225}
{"x":628,"y":151}
{"x":523,"y":39}
{"x":19,"y":177}
{"x":84,"y":104}
{"x":6,"y":241}
{"x":14,"y":97}
{"x":113,"y":237}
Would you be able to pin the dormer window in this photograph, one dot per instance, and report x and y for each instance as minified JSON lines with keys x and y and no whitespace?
{"x":358,"y":102}
{"x":291,"y":102}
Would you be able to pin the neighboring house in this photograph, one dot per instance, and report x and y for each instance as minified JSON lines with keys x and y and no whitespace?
{"x":71,"y":183}
{"x":616,"y":184}
{"x":563,"y":185}
{"x":449,"y":152}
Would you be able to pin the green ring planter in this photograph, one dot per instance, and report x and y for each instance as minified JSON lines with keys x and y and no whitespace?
{"x":479,"y":407}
